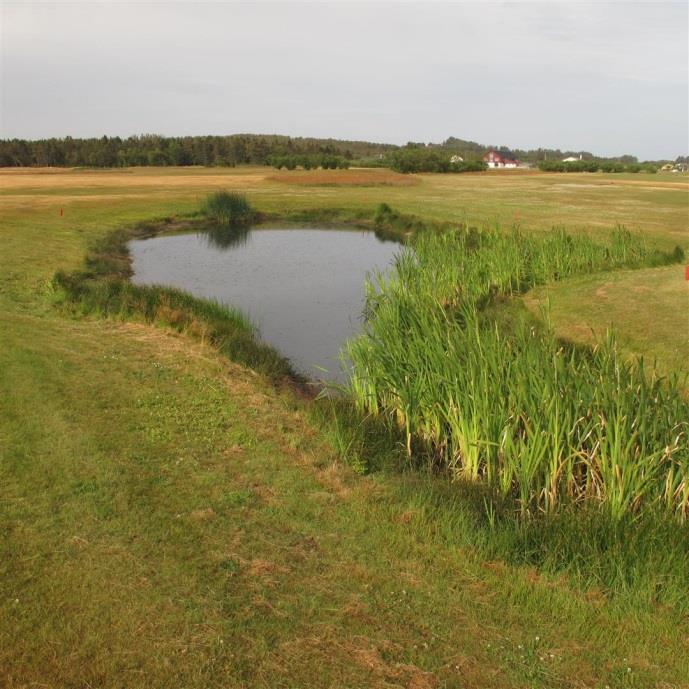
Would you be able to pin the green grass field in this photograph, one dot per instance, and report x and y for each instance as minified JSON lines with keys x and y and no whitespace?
{"x":170,"y":519}
{"x":649,"y":309}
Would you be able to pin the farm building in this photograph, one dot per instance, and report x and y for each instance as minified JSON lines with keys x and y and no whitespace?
{"x":571,"y":159}
{"x":494,"y":160}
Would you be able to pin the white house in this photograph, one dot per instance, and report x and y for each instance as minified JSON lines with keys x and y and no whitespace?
{"x":456,"y":159}
{"x":571,"y":159}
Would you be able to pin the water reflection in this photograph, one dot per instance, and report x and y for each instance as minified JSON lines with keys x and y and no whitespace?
{"x":303,"y":288}
{"x":226,"y":237}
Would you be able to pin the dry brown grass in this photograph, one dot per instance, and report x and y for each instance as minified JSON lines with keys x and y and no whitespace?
{"x":153,"y":178}
{"x":345,"y":178}
{"x":660,"y":183}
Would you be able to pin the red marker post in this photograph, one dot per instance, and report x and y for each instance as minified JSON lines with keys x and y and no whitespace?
{"x":686,"y":272}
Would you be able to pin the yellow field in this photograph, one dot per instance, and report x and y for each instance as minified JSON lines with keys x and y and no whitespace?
{"x":657,"y":205}
{"x":347,"y":178}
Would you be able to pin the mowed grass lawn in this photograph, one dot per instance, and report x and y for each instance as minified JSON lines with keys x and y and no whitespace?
{"x":648,"y":309}
{"x":169,"y":519}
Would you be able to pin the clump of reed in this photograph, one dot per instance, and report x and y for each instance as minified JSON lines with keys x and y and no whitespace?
{"x":544,"y":424}
{"x":229,"y":208}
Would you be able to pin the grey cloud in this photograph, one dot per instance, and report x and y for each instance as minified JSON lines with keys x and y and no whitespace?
{"x":608,"y":77}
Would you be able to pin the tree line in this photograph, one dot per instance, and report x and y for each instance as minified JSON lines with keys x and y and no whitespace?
{"x":310,"y":161}
{"x":472,"y":149}
{"x":418,"y":159}
{"x":283,"y":151}
{"x":594,"y":166}
{"x":155,"y":150}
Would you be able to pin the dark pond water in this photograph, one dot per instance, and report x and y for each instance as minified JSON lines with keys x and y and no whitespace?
{"x":303,"y":288}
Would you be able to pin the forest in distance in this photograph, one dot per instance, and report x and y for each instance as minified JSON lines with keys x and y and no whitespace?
{"x":257,"y":149}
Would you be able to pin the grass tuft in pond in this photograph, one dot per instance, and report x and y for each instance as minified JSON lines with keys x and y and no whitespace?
{"x":229,"y":208}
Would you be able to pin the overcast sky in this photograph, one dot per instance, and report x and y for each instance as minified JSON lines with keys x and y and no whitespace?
{"x":611,"y":78}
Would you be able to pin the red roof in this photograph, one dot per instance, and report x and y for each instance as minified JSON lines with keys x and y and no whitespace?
{"x":495,"y":157}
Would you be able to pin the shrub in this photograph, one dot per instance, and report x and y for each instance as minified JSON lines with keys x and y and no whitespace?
{"x":551,"y":166}
{"x":229,"y":208}
{"x":425,"y":160}
{"x":611,"y":166}
{"x":309,"y":162}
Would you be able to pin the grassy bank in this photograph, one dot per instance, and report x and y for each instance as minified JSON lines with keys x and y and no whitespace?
{"x":169,"y":519}
{"x":564,"y":442}
{"x":103,"y":288}
{"x":173,"y":518}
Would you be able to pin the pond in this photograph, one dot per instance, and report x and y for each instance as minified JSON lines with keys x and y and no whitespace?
{"x":303,"y":288}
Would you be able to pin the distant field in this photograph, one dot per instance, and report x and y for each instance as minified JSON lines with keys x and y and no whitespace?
{"x":657,"y":205}
{"x":169,"y":519}
{"x":347,"y":178}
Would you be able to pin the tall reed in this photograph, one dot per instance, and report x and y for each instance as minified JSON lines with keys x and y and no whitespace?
{"x":544,"y":423}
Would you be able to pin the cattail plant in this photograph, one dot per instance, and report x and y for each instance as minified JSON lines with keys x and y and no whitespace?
{"x":543,"y":423}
